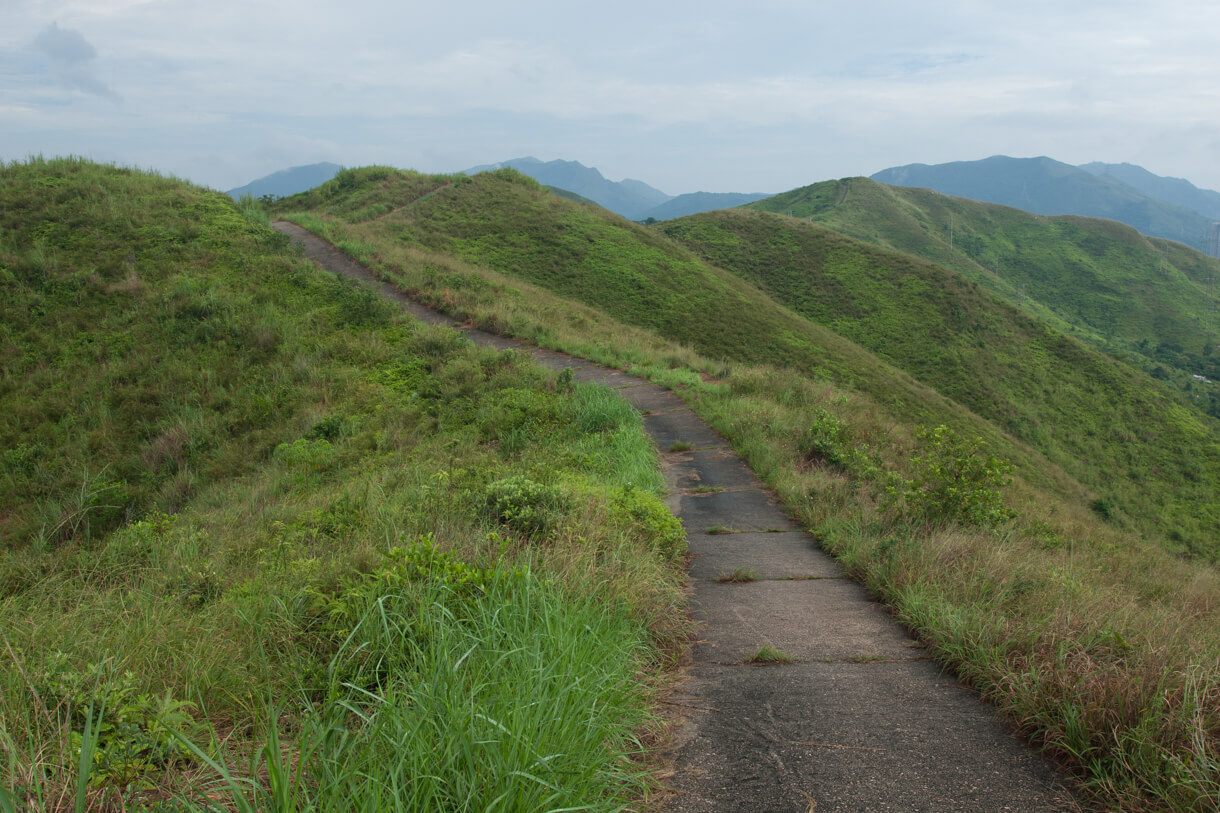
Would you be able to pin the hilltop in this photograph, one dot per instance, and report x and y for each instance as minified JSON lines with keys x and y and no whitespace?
{"x":1177,"y":191}
{"x":629,"y":198}
{"x":633,"y":200}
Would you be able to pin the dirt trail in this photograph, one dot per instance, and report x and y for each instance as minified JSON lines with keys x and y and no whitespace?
{"x":861,"y":720}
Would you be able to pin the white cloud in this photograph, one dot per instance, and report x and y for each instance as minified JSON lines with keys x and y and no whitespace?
{"x":683,"y":95}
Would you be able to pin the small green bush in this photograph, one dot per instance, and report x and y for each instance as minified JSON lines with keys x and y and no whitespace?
{"x":307,"y":457}
{"x":132,"y":733}
{"x":955,"y":481}
{"x":527,"y":507}
{"x":649,"y":518}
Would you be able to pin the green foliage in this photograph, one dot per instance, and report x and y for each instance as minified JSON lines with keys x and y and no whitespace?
{"x":827,"y":439}
{"x":525,"y":506}
{"x":127,"y":735}
{"x":518,"y":691}
{"x":648,"y":518}
{"x":769,"y":655}
{"x":740,"y":575}
{"x":954,"y":480}
{"x":307,"y":457}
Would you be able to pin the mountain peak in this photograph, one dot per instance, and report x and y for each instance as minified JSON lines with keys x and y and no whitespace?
{"x":629,"y":198}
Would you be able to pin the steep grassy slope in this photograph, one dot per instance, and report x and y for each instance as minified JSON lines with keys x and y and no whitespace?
{"x":265,"y":539}
{"x":1106,"y":423}
{"x":1145,"y":298}
{"x":140,"y":353}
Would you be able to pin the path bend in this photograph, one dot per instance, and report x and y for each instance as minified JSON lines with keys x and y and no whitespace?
{"x":862,"y":719}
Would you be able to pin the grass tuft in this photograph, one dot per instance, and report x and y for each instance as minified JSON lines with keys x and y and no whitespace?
{"x":768,"y":655}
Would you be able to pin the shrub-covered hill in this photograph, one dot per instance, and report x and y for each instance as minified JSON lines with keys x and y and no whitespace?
{"x":258,"y":525}
{"x":1105,"y":422}
{"x":1144,"y":298}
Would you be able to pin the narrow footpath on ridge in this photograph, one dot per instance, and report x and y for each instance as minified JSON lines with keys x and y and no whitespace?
{"x":861,"y":719}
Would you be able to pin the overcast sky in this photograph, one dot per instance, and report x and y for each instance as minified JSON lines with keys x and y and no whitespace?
{"x":758,"y":96}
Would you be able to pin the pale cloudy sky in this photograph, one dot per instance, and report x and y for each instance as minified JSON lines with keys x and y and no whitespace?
{"x":756,"y":96}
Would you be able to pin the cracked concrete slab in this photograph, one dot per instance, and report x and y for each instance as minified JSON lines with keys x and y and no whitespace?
{"x":793,"y":555}
{"x":842,"y":738}
{"x":485,"y":339}
{"x":736,"y":510}
{"x":711,"y":468}
{"x":549,"y":358}
{"x":810,"y":620}
{"x":682,"y":426}
{"x":605,"y":375}
{"x":650,"y":397}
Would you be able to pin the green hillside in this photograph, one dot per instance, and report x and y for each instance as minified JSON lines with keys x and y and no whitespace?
{"x":263,"y":536}
{"x":1141,"y":298}
{"x":1106,"y":423}
{"x":638,"y":277}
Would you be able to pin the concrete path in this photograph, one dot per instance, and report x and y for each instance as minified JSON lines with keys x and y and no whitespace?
{"x":861,"y":719}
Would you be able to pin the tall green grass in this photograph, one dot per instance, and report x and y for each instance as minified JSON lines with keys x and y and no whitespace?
{"x":520,"y":698}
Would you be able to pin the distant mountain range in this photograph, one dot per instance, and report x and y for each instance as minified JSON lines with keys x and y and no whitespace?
{"x":634,"y":200}
{"x":288,"y":181}
{"x":1156,"y":206}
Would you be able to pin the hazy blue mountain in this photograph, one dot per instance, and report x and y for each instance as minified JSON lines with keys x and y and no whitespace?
{"x":693,"y":203}
{"x":1177,"y":191}
{"x":1049,"y":187}
{"x":629,"y":198}
{"x":288,"y":181}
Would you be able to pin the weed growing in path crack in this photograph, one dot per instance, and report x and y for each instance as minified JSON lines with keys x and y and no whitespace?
{"x":707,"y":489}
{"x":739,"y":576}
{"x":719,"y":529}
{"x":770,"y":655}
{"x":681,"y":446}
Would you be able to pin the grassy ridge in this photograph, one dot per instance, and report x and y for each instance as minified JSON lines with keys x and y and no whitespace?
{"x":637,"y":277}
{"x":1106,"y":423}
{"x":1100,"y":646}
{"x":335,"y":532}
{"x":1143,"y":298}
